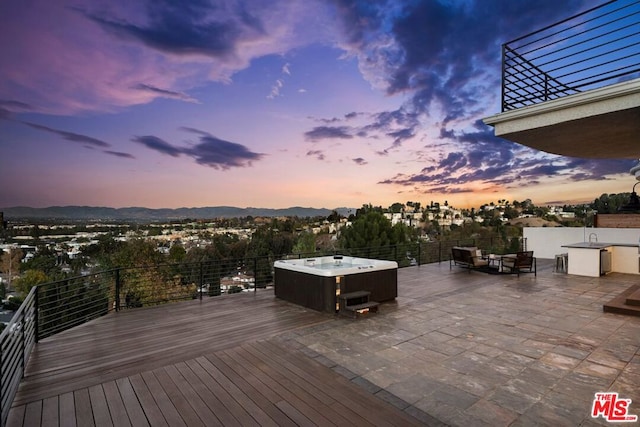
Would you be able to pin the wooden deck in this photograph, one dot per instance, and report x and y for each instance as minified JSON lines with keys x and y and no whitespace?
{"x":195,"y":363}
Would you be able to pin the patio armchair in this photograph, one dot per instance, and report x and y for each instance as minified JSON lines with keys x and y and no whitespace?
{"x":521,"y":262}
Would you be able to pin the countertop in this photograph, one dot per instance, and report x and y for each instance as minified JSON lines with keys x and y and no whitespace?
{"x":597,"y":245}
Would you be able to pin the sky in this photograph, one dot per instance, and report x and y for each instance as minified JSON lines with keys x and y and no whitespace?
{"x":274,"y":103}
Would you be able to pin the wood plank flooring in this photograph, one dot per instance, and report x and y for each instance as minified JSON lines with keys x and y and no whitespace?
{"x":196,"y":363}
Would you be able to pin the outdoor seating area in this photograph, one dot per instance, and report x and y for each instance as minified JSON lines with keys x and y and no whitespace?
{"x":472,"y":258}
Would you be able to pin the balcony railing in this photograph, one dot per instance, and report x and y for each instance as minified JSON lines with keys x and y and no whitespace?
{"x":593,"y":49}
{"x":54,"y":307}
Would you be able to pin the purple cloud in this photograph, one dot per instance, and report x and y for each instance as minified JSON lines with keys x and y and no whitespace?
{"x":71,"y":136}
{"x":318,"y":154}
{"x":328,"y":132}
{"x":209,"y":151}
{"x":119,"y":154}
{"x":194,"y":27}
{"x":165,"y":93}
{"x":220,"y":154}
{"x":157,"y":144}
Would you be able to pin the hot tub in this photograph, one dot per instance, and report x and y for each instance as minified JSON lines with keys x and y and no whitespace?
{"x":316,"y":282}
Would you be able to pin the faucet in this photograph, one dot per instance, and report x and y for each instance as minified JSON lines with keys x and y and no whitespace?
{"x":594,"y":235}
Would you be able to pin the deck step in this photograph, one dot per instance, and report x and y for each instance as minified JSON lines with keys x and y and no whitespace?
{"x":634,"y":298}
{"x":371,"y":306}
{"x":620,"y":304}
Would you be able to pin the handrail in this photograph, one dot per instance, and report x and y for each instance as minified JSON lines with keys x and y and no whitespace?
{"x":592,"y":49}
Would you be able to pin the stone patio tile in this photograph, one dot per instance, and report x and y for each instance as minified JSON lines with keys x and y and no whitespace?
{"x":432,"y":339}
{"x":529,"y":327}
{"x":491,"y":413}
{"x":473,"y":384}
{"x":596,"y":369}
{"x":430,"y":356}
{"x":451,"y":348}
{"x":570,"y":351}
{"x":486,"y":350}
{"x":409,"y":347}
{"x":550,"y":413}
{"x":361,"y":364}
{"x":560,"y":361}
{"x":414,"y":389}
{"x":580,"y":386}
{"x":454,"y":330}
{"x":629,"y":387}
{"x":594,"y":422}
{"x":444,"y":413}
{"x":466,"y":362}
{"x":508,"y":398}
{"x":504,"y":342}
{"x":544,"y":375}
{"x":551,"y":336}
{"x":393,"y":355}
{"x":615,"y":356}
{"x":450,"y":395}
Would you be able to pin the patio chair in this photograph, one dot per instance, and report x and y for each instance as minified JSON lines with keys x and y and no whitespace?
{"x":521,"y":262}
{"x":469,"y":257}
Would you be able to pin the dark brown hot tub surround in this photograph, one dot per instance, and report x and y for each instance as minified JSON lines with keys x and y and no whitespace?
{"x":316,"y":282}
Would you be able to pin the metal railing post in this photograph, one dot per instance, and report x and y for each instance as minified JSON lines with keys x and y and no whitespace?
{"x":201,"y":280}
{"x":504,"y":65}
{"x":255,"y":274}
{"x":419,"y":253}
{"x":2,"y":420}
{"x":36,"y":315}
{"x":117,"y":296}
{"x":22,"y":343}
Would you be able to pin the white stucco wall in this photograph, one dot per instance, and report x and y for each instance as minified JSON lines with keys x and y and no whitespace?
{"x":546,"y":242}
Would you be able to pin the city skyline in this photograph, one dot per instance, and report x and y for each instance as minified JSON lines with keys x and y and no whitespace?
{"x":271,"y":104}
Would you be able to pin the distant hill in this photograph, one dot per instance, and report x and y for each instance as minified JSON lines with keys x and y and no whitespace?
{"x":87,"y":213}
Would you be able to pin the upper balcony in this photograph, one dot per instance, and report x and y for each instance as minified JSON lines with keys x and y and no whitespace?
{"x":573,"y":88}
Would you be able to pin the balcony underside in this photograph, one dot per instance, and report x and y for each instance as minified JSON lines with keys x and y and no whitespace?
{"x":602,"y":123}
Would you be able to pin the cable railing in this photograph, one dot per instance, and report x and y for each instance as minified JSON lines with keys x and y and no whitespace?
{"x":54,"y":307}
{"x":16,"y":342}
{"x":593,"y":49}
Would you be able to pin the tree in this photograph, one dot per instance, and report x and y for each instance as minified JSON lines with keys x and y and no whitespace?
{"x":44,"y":260}
{"x":374,"y":231}
{"x":10,"y":263}
{"x":28,"y":279}
{"x":396,"y":207}
{"x":306,"y":243}
{"x":177,"y":253}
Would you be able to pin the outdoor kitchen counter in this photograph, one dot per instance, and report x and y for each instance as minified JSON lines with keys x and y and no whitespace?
{"x":597,"y":258}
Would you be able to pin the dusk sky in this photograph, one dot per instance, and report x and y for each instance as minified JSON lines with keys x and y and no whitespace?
{"x":275,"y":103}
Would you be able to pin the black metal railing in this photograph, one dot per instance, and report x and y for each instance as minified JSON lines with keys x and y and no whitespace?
{"x":595,"y":48}
{"x":16,"y":342}
{"x":54,"y":307}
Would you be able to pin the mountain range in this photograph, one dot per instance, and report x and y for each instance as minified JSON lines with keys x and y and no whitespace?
{"x":87,"y":213}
